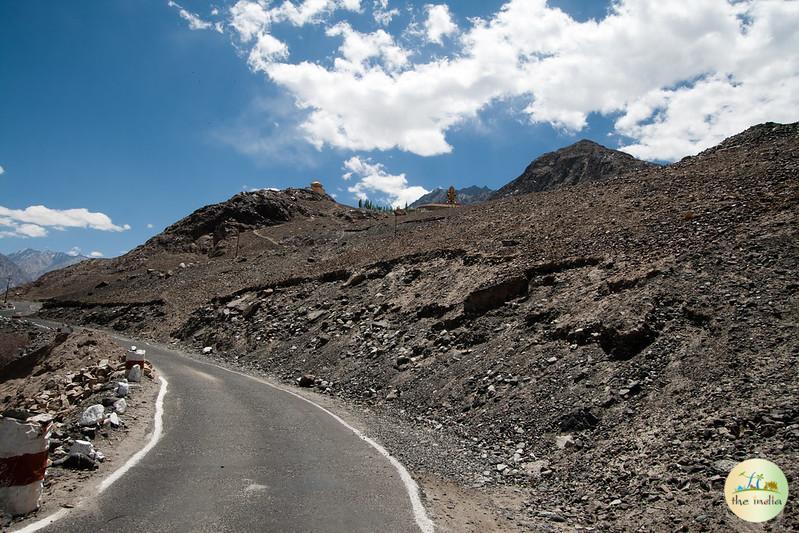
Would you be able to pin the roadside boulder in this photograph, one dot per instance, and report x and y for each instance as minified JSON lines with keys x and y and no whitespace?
{"x":306,"y":380}
{"x":82,"y":447}
{"x":92,"y":415}
{"x":122,"y":389}
{"x":78,"y":462}
{"x":113,"y":420}
{"x":120,"y":406}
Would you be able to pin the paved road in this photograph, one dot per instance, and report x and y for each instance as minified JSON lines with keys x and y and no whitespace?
{"x":238,"y":455}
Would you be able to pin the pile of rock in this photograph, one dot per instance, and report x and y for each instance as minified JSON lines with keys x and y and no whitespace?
{"x":83,"y":402}
{"x":62,"y":394}
{"x":71,"y":445}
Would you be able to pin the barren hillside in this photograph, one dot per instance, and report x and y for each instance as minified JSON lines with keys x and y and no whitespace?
{"x":614,"y":347}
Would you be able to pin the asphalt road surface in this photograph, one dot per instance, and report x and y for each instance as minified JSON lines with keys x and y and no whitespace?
{"x":239,"y":455}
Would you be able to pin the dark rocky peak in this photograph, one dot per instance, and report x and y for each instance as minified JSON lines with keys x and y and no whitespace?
{"x":580,"y":162}
{"x":243,"y":212}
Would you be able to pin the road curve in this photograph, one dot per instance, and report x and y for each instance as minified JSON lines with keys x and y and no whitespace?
{"x":239,"y":455}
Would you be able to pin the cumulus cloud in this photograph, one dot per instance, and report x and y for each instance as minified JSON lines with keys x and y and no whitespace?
{"x":96,"y":254}
{"x":375,"y":180}
{"x":251,"y":18}
{"x":33,"y":221}
{"x":266,"y":50}
{"x":673,"y":80}
{"x":195,"y":22}
{"x":678,"y":79}
{"x":439,"y":23}
{"x":2,"y":170}
{"x":311,"y":11}
{"x":358,"y":48}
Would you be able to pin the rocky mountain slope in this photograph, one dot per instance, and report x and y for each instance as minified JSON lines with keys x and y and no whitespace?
{"x":210,"y":229}
{"x":610,"y":349}
{"x":35,"y":263}
{"x":466,"y":196}
{"x":583,"y":161}
{"x":9,"y":269}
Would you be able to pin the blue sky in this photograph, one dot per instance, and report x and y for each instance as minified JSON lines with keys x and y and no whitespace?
{"x":119,"y":118}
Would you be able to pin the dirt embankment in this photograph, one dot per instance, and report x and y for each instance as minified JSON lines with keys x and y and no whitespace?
{"x":60,"y":375}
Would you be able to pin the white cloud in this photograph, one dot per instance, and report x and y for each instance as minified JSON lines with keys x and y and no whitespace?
{"x":2,"y":170}
{"x":33,"y":221}
{"x":266,"y":50}
{"x":150,"y":226}
{"x":195,"y":22}
{"x":570,"y":69}
{"x":351,"y":5}
{"x":382,"y":14}
{"x":74,"y":251}
{"x":252,"y":17}
{"x":373,"y":179}
{"x":675,"y":80}
{"x":309,"y":11}
{"x":12,"y":228}
{"x":249,"y":19}
{"x":358,"y":48}
{"x":30,"y":230}
{"x":439,"y":23}
{"x":96,"y":254}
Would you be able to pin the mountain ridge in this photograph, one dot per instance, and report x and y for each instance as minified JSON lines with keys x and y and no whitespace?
{"x":36,"y":263}
{"x":583,"y":161}
{"x":465,"y":196}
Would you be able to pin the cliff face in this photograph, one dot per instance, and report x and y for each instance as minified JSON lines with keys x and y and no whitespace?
{"x":581,"y":162}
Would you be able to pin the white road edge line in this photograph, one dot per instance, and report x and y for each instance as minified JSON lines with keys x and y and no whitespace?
{"x":419,"y":512}
{"x":158,"y":430}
